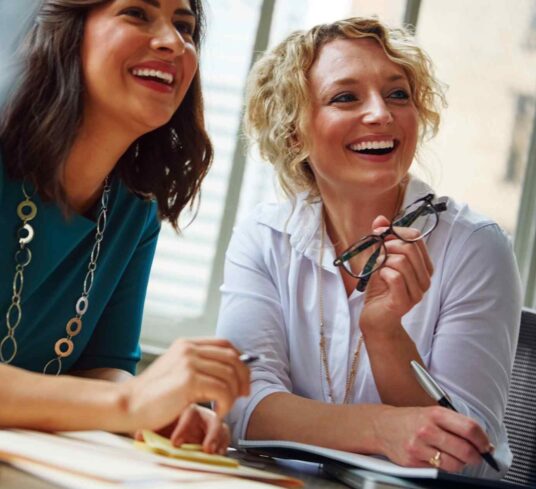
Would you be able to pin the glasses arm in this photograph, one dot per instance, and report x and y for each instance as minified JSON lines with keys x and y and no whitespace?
{"x":424,"y":210}
{"x":363,"y":281}
{"x":350,"y":253}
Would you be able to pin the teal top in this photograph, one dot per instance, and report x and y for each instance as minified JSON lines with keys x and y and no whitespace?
{"x":53,"y":281}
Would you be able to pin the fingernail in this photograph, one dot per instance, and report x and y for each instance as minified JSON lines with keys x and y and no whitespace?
{"x":213,"y":448}
{"x":491,"y":448}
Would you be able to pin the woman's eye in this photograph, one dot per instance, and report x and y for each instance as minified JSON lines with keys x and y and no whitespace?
{"x":343,"y":97}
{"x":135,"y":12}
{"x":399,"y":95}
{"x":184,"y":28}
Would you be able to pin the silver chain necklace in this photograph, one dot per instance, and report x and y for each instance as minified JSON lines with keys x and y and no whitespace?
{"x":27,"y":211}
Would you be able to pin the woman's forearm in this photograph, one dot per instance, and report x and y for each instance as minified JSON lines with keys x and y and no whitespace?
{"x":111,"y":374}
{"x":37,"y":401}
{"x":394,"y":379}
{"x":408,"y":436}
{"x":284,"y":416}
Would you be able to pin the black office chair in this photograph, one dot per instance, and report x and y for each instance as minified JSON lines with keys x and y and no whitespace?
{"x":520,"y":418}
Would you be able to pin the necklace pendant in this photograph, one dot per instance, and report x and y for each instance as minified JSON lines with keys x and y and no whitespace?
{"x":26,"y":210}
{"x":63,"y":347}
{"x":24,"y":239}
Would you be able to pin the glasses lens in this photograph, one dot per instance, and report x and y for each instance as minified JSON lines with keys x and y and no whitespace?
{"x":370,"y":256}
{"x":420,"y":216}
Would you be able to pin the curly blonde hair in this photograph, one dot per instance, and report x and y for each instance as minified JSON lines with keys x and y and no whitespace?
{"x":277,"y":93}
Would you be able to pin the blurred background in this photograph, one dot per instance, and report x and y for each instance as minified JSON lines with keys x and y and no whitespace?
{"x":485,"y":153}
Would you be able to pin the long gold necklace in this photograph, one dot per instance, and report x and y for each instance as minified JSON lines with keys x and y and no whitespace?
{"x":64,"y":347}
{"x":350,"y":379}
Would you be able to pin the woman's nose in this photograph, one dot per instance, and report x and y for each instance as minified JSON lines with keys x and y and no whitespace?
{"x":168,"y":39}
{"x":377,"y":112}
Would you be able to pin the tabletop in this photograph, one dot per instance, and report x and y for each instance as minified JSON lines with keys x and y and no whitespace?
{"x":311,"y":474}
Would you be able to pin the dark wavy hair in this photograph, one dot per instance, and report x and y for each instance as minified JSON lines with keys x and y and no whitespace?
{"x":39,"y":123}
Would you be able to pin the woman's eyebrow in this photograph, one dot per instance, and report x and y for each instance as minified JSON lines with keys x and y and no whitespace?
{"x":356,"y":81}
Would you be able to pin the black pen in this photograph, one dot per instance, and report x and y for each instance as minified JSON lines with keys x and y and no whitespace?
{"x":247,"y":358}
{"x":432,"y":388}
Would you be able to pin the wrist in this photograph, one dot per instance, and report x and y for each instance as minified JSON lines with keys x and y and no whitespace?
{"x":123,"y":408}
{"x":381,"y":330}
{"x":381,"y":428}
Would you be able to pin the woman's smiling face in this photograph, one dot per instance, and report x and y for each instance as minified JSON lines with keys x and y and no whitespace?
{"x":138,"y":60}
{"x":363,"y":126}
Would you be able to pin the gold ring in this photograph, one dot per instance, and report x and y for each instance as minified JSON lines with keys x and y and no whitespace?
{"x":435,"y":461}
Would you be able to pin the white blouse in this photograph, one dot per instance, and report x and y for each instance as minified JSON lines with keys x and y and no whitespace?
{"x":465,"y":328}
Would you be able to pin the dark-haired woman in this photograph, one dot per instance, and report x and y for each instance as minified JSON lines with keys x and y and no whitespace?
{"x":103,"y":137}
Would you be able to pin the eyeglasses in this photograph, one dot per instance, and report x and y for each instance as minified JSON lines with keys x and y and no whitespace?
{"x":423,"y":214}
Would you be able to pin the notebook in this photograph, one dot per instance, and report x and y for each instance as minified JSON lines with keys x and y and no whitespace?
{"x":368,"y":472}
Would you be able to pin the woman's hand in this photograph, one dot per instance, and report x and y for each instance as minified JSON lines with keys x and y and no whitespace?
{"x":401,"y":283}
{"x":190,"y":371}
{"x":413,"y":436}
{"x":199,"y":425}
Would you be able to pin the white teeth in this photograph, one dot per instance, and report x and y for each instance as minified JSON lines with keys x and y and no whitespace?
{"x":373,"y":145}
{"x":162,"y":75}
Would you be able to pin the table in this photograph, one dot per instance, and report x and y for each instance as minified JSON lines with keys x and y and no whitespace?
{"x":311,"y":474}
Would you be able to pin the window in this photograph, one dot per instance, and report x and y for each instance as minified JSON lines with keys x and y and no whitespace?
{"x":524,"y":106}
{"x":480,"y":153}
{"x":13,"y":19}
{"x":180,"y":296}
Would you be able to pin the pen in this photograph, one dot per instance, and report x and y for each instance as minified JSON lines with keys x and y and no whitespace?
{"x":432,"y":388}
{"x":247,"y":358}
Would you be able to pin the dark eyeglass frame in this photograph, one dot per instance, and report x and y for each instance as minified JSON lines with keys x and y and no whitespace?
{"x":426,"y":208}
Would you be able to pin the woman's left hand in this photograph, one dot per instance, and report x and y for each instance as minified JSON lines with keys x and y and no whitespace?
{"x":401,"y":283}
{"x":200,"y":425}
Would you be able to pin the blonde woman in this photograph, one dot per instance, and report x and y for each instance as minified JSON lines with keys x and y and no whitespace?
{"x":339,"y":110}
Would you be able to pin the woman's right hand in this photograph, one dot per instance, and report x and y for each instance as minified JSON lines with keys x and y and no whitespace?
{"x":412,"y":436}
{"x":198,"y":370}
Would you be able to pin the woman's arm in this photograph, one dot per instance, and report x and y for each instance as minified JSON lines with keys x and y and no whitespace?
{"x":407,"y":436}
{"x":476,"y":329}
{"x":251,"y":317}
{"x":37,"y":401}
{"x":189,"y":372}
{"x":110,"y":374}
{"x":475,"y":334}
{"x":392,"y":292}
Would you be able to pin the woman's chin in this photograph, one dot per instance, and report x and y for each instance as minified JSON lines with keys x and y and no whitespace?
{"x":151,"y":122}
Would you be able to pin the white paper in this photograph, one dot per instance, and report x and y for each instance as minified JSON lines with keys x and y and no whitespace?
{"x":85,"y":460}
{"x":71,"y":481}
{"x":111,"y":459}
{"x":126,"y":446}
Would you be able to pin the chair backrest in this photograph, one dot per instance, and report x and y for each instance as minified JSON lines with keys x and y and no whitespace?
{"x":520,"y":417}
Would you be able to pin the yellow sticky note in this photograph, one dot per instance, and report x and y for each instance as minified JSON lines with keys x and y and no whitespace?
{"x":188,"y":451}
